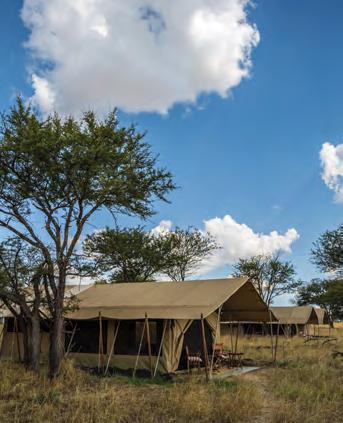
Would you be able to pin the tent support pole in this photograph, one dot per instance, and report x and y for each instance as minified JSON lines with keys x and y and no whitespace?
{"x":139,"y":350}
{"x":271,"y":334}
{"x":101,"y":345}
{"x":236,"y":341}
{"x":204,"y":346}
{"x":17,"y":338}
{"x":215,"y":340}
{"x":70,"y":342}
{"x":231,"y":338}
{"x":112,"y":346}
{"x":276,"y":341}
{"x":149,"y":343}
{"x":160,"y":348}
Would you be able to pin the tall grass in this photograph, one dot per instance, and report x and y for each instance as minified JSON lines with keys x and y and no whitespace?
{"x":305,"y":385}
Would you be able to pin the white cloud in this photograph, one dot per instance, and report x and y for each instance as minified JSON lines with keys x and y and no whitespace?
{"x":136,"y":55}
{"x":163,"y":227}
{"x":238,"y":241}
{"x":332,"y":168}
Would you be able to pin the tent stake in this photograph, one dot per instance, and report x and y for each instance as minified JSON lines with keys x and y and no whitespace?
{"x":204,"y":346}
{"x":215,"y":340}
{"x":112,"y":346}
{"x":149,"y":343}
{"x":139,"y":350}
{"x":160,"y":348}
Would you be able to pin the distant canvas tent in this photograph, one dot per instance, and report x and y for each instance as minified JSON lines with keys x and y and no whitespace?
{"x":295,"y":319}
{"x":148,"y":325}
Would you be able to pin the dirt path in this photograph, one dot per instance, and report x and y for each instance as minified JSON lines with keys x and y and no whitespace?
{"x":260,"y":379}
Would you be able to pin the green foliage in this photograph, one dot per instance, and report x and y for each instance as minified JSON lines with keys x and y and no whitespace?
{"x":327,"y":293}
{"x":188,"y":250}
{"x":270,"y":276}
{"x":327,"y":253}
{"x":128,"y":254}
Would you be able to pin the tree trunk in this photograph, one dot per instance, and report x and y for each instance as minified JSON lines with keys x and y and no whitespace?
{"x":56,"y":344}
{"x":26,"y":334}
{"x":35,"y":343}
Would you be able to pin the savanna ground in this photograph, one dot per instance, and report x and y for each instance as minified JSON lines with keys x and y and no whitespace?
{"x":306,"y":385}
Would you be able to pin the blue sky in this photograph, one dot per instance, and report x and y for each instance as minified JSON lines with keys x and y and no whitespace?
{"x":255,"y":154}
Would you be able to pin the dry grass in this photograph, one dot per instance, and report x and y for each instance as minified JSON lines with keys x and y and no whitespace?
{"x":305,"y":386}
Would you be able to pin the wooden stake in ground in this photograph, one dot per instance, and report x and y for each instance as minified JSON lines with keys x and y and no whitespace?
{"x":139,"y":350}
{"x":160,"y":348}
{"x":204,"y":345}
{"x":112,"y":347}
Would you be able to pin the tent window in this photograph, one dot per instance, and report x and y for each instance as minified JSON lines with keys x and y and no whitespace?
{"x":86,"y":336}
{"x":129,"y":335}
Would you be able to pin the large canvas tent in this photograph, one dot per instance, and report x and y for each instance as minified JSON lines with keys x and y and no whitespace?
{"x":148,"y":325}
{"x":295,"y":319}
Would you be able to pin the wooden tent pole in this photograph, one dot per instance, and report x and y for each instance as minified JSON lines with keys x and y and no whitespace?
{"x":271,"y":334}
{"x":149,"y":343}
{"x":70,"y":342}
{"x":231,"y":338}
{"x":160,"y":348}
{"x":236,"y":341}
{"x":276,"y":341}
{"x":101,"y":345}
{"x":215,"y":340}
{"x":17,"y":338}
{"x":112,"y":346}
{"x":139,"y":350}
{"x":204,"y":347}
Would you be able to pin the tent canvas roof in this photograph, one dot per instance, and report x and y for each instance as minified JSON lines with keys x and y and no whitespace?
{"x":301,"y":315}
{"x":323,"y":318}
{"x":172,"y":300}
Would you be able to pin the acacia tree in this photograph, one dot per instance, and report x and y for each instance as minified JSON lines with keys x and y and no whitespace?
{"x":270,"y":276}
{"x":21,"y":275}
{"x":326,"y":293}
{"x":126,"y":255}
{"x":56,"y":173}
{"x":188,"y":248}
{"x":327,"y":252}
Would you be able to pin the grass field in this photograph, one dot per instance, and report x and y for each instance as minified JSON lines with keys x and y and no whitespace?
{"x":306,"y":385}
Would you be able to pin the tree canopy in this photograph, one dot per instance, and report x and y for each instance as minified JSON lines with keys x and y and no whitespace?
{"x":55,"y":173}
{"x":188,"y":250}
{"x":270,"y":275}
{"x":126,"y":254}
{"x":325,"y":293}
{"x":327,"y":252}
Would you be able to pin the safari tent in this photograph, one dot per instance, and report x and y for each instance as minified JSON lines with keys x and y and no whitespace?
{"x":148,"y":325}
{"x":295,"y":319}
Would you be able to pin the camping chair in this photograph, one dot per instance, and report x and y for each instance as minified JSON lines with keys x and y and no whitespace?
{"x":235,"y":359}
{"x":193,"y":360}
{"x":221,"y":357}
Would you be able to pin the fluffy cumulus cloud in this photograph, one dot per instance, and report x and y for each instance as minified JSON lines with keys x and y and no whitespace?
{"x":238,"y":240}
{"x":331,"y":157}
{"x":137,"y":55}
{"x":163,"y":227}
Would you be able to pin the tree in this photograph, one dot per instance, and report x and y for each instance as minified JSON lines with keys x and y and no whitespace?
{"x":325,"y":293}
{"x":188,"y":250}
{"x":327,"y":253}
{"x":270,"y":276}
{"x":56,"y":173}
{"x":128,"y":254}
{"x":21,"y":274}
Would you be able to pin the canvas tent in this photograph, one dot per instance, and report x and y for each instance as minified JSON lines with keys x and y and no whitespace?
{"x":322,"y":315}
{"x":295,"y":319}
{"x":114,"y":321}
